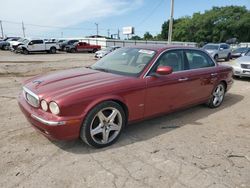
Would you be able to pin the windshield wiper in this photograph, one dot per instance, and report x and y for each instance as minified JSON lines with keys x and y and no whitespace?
{"x":100,"y":69}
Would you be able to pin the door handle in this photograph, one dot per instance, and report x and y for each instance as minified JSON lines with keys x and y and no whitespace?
{"x":214,"y":74}
{"x":182,"y":79}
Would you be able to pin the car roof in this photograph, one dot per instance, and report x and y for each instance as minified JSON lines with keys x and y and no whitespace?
{"x":160,"y":48}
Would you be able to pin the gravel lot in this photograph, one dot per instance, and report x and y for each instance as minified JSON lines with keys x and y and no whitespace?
{"x":197,"y":147}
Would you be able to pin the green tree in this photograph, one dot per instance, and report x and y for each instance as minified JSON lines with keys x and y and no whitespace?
{"x":216,"y":25}
{"x":147,"y":36}
{"x":135,"y":37}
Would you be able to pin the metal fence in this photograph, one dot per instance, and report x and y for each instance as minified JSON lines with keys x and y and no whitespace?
{"x":127,"y":43}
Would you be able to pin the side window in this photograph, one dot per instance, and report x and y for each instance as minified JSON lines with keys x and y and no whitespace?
{"x":174,"y":59}
{"x":39,"y":41}
{"x":198,"y":59}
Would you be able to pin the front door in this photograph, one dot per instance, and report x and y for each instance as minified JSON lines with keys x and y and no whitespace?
{"x":170,"y":92}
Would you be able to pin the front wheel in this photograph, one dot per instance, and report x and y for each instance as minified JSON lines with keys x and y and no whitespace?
{"x":52,"y":50}
{"x":217,"y":96}
{"x":25,"y":51}
{"x":103,"y":124}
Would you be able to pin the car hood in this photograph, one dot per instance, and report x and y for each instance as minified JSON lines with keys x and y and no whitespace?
{"x":102,"y":52}
{"x":211,"y":51}
{"x":64,"y":83}
{"x":243,"y":59}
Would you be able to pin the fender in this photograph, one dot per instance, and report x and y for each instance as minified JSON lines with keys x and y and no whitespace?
{"x":102,"y":99}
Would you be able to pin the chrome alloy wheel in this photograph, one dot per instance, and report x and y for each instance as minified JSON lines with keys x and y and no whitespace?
{"x":106,"y":125}
{"x":218,"y":95}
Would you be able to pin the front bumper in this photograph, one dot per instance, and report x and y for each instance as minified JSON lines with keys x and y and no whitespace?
{"x":238,"y":71}
{"x":53,"y":127}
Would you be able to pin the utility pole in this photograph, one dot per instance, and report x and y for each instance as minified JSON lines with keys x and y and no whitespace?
{"x":118,"y":34}
{"x":1,"y":28}
{"x":170,"y":29}
{"x":97,"y":30}
{"x":23,"y":28}
{"x":108,"y":32}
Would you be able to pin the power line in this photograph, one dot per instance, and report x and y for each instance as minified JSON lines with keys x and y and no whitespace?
{"x":151,"y":13}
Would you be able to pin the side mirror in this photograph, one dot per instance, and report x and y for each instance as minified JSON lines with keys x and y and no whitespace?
{"x":163,"y":70}
{"x":221,"y":49}
{"x":31,"y":43}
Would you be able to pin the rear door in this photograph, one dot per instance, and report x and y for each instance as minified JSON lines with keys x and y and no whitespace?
{"x":202,"y":73}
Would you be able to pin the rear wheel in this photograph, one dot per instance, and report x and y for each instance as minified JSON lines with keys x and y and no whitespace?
{"x":228,"y":57}
{"x":217,"y":96}
{"x":103,"y":124}
{"x":216,"y":57}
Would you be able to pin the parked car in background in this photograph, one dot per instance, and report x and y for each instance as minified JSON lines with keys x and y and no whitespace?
{"x":82,"y":47}
{"x":128,"y":85}
{"x":241,"y":66}
{"x":218,"y":51}
{"x":66,"y":43}
{"x":15,"y":44}
{"x":5,"y":44}
{"x":37,"y":45}
{"x":238,"y":52}
{"x":102,"y":53}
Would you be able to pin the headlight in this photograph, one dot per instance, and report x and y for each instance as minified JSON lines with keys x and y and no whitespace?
{"x":44,"y":105}
{"x":54,"y":108}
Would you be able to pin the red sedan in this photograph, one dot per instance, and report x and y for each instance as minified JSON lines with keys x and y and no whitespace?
{"x":128,"y":85}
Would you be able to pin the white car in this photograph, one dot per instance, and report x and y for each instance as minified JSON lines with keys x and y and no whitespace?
{"x":241,"y":66}
{"x":37,"y":45}
{"x":15,"y":44}
{"x":102,"y":53}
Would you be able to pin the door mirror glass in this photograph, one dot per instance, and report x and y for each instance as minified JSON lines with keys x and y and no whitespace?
{"x":164,"y":70}
{"x":221,"y":48}
{"x":31,"y":43}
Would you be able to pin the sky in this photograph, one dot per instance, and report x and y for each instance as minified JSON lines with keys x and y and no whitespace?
{"x":77,"y":18}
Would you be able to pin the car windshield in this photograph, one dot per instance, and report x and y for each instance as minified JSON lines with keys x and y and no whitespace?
{"x":125,"y":61}
{"x":25,"y":41}
{"x":247,"y":54}
{"x":211,"y":47}
{"x":240,"y":50}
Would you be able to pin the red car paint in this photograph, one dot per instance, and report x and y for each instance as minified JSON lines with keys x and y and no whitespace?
{"x":77,"y":91}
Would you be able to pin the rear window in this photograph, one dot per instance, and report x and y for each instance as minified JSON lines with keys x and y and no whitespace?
{"x":198,"y":59}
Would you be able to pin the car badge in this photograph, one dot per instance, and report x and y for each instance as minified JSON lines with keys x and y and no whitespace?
{"x":37,"y":81}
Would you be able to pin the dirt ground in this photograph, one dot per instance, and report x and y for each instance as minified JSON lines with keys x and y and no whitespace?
{"x":196,"y":147}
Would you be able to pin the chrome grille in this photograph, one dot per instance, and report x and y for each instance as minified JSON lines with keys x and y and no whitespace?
{"x":31,"y":97}
{"x":245,"y":66}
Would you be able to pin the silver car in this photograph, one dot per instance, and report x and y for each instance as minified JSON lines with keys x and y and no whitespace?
{"x":241,"y":66}
{"x":102,"y":53}
{"x":218,"y":51}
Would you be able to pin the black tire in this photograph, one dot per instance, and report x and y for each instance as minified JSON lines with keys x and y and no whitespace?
{"x":94,"y":50}
{"x":25,"y":51}
{"x":93,"y":122}
{"x":52,"y":50}
{"x":216,"y":57}
{"x":73,"y":50}
{"x":212,"y":101}
{"x":228,"y":57}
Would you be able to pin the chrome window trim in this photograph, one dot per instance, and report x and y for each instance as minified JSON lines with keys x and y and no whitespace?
{"x":215,"y":64}
{"x":46,"y":122}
